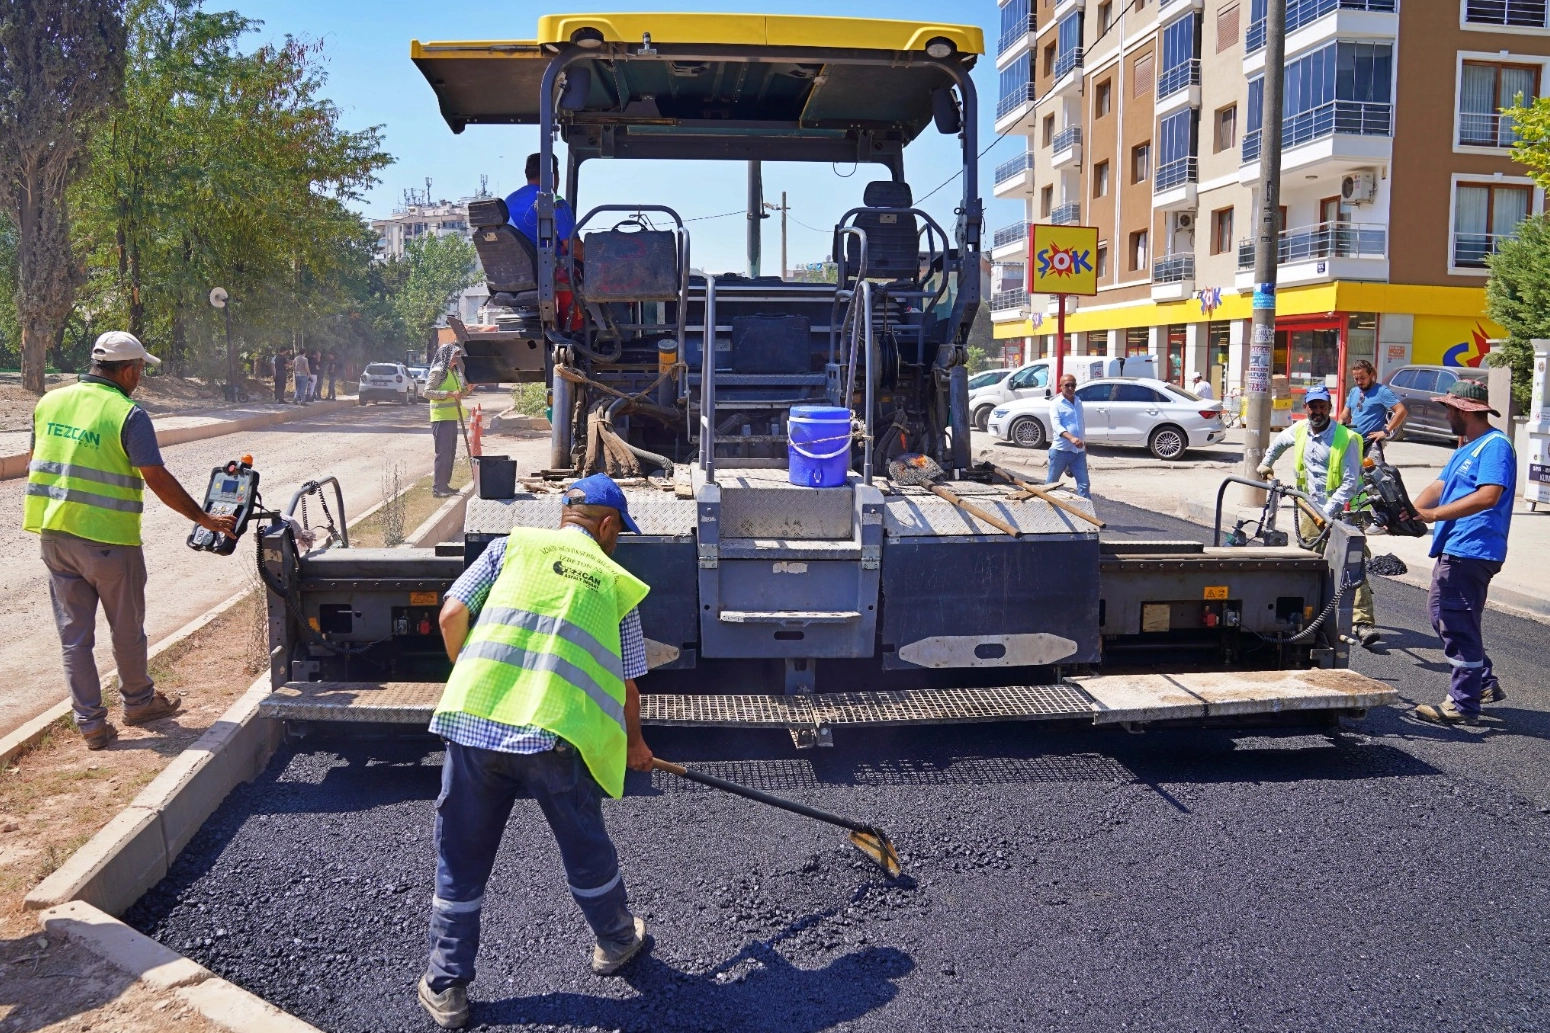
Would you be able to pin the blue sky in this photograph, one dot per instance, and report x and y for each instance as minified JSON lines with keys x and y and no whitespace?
{"x":373,"y":82}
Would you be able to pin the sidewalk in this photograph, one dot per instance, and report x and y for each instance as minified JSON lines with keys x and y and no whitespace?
{"x":1188,"y":490}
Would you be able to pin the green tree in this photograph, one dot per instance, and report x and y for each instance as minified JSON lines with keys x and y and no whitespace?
{"x":1518,"y":297}
{"x":10,"y":330}
{"x":61,"y":67}
{"x":1531,"y":122}
{"x":436,"y":269}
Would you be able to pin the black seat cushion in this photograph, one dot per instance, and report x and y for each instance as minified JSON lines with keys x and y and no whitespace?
{"x":491,"y":211}
{"x":893,"y":238}
{"x":510,"y":260}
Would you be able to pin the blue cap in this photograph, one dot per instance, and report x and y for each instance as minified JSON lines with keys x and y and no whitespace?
{"x":600,"y":490}
{"x":1316,"y":394}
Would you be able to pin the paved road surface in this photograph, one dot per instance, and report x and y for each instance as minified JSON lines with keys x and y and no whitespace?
{"x":356,"y":445}
{"x":1392,"y":877}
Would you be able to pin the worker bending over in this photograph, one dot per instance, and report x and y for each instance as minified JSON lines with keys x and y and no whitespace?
{"x":1328,"y":463}
{"x":541,"y":700}
{"x":93,"y":453}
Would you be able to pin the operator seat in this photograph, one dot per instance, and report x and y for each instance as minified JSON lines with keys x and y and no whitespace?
{"x":509,"y":259}
{"x":892,"y":238}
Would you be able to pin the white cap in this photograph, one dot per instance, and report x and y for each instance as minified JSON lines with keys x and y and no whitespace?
{"x":121,"y":346}
{"x":1195,"y":376}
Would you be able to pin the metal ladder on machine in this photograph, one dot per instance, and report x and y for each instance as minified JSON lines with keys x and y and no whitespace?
{"x":786,"y":572}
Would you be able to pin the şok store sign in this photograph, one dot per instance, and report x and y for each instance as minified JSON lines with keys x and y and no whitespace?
{"x":1063,"y":260}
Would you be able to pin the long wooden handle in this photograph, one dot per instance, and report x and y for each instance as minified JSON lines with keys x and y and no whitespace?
{"x":975,"y":511}
{"x":1318,"y":518}
{"x":1039,"y":492}
{"x":759,"y":796}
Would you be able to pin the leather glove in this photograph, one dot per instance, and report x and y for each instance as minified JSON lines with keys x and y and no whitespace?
{"x":1265,"y":473}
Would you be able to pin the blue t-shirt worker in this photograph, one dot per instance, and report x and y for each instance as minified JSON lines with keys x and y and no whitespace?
{"x":522,"y":204}
{"x":1068,"y":432}
{"x":1470,"y":508}
{"x":1371,"y":409}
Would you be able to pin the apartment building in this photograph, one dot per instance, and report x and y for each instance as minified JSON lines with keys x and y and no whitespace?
{"x":1142,"y":118}
{"x":417,"y":218}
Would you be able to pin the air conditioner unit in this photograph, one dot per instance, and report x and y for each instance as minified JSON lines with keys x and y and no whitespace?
{"x":1185,"y":220}
{"x":1359,"y":188}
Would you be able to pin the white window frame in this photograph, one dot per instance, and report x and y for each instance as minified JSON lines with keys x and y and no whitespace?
{"x":1492,"y":57}
{"x":1511,"y":30}
{"x":1536,"y":207}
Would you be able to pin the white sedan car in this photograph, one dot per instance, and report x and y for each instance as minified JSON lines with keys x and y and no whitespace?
{"x":1151,"y":414}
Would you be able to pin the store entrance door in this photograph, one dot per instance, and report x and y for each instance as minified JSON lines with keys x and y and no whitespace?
{"x":1311,"y":356}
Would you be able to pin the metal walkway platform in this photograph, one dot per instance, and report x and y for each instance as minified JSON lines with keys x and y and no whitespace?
{"x":1104,"y":700}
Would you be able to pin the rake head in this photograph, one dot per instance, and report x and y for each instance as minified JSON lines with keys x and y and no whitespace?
{"x":914,"y":469}
{"x":876,"y":845}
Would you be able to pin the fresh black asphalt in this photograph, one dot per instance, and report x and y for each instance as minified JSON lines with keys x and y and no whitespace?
{"x":1392,"y":876}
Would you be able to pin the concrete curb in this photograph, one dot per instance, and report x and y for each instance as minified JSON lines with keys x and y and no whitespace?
{"x":164,"y":970}
{"x":16,"y":465}
{"x":442,"y":525}
{"x":132,"y":852}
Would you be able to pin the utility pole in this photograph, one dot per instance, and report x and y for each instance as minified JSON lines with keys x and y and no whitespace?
{"x":755,"y":215}
{"x":1257,"y":378}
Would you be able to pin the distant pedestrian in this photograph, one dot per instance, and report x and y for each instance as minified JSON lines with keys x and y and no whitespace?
{"x":331,"y":361}
{"x":1068,"y":424}
{"x":1201,"y":386}
{"x":93,"y":453}
{"x":1470,"y":508}
{"x":281,"y":368}
{"x":302,"y":371}
{"x":315,"y":365}
{"x":447,"y":389}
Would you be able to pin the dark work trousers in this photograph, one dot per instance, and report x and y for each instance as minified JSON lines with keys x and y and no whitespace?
{"x":478,"y":788}
{"x":1456,"y":603}
{"x":83,"y":574}
{"x":279,"y":386}
{"x":445,"y":434}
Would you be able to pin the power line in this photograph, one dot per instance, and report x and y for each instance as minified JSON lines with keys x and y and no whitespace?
{"x":723,"y":215}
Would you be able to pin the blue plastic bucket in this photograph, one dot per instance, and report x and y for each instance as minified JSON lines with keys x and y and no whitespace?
{"x":819,"y":445}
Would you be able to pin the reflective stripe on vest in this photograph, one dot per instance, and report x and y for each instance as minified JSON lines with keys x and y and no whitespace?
{"x":448,"y":408}
{"x":545,"y":650}
{"x":1334,"y":475}
{"x":80,"y":480}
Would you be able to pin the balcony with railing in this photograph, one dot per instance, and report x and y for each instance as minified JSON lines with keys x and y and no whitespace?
{"x":1014,"y":233}
{"x":1012,"y":37}
{"x":1066,"y":63}
{"x":1180,"y":77}
{"x":1470,"y":250}
{"x":1010,"y":170}
{"x":1068,"y":214}
{"x":1520,"y":14}
{"x":1350,"y":133}
{"x":1008,"y":305}
{"x":1300,"y":13}
{"x":1066,"y":149}
{"x":1323,"y":252}
{"x":1173,"y":269}
{"x":1486,"y":129}
{"x":1174,"y":183}
{"x":1014,"y":99}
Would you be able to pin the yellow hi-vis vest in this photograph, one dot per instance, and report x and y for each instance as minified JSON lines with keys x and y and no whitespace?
{"x":448,"y":408}
{"x":80,"y":480}
{"x":1344,"y":438}
{"x":545,"y":651}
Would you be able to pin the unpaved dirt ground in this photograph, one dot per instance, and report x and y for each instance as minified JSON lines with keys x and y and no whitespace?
{"x":156,"y":395}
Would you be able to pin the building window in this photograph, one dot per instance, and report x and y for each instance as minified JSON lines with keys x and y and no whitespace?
{"x":1138,"y":250}
{"x":1138,"y":341}
{"x":1484,"y":89}
{"x":1103,"y":98}
{"x":1046,"y":200}
{"x":1015,"y":23}
{"x":1141,"y":162}
{"x":1047,"y":130}
{"x":1049,"y":60}
{"x":1069,"y":36}
{"x":1016,"y":85}
{"x":1142,"y":76}
{"x":1101,"y":179}
{"x":1484,"y":215}
{"x":1221,"y":231}
{"x":1227,"y":28}
{"x":1343,"y":87}
{"x":1226,"y":128}
{"x":1526,"y":14}
{"x":1177,"y":149}
{"x":1105,"y":16}
{"x":1101,"y":266}
{"x":1179,"y":41}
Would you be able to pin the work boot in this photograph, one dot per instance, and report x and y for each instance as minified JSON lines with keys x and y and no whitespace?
{"x":160,"y":706}
{"x":449,"y":1009}
{"x":1367,"y":635}
{"x":609,"y":958}
{"x":1493,"y":694}
{"x":1445,"y":713}
{"x":101,"y":739}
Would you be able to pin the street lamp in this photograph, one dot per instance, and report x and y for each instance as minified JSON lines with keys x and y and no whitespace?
{"x":218,"y":298}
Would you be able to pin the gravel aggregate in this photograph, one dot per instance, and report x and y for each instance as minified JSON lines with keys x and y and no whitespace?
{"x":1391,"y":876}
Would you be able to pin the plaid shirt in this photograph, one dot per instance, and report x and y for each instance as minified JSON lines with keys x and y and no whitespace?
{"x":472,"y":589}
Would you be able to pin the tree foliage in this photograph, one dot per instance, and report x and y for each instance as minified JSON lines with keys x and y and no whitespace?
{"x":61,"y":68}
{"x":1531,"y":122}
{"x":435,"y":269}
{"x":1518,"y":297}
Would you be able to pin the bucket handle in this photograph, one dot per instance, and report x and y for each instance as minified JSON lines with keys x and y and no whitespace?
{"x":822,"y":455}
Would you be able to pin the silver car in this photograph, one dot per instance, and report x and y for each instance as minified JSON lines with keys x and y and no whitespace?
{"x":1139,"y":413}
{"x":1419,"y":387}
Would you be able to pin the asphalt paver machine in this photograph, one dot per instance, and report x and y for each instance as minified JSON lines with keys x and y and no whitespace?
{"x":775,"y":604}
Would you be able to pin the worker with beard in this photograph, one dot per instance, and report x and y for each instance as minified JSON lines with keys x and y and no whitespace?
{"x":1327,"y":457}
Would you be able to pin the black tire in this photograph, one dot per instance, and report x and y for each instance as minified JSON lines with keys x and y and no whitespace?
{"x":360,"y":401}
{"x":1168,"y":442}
{"x":981,"y":419}
{"x":1028,"y":432}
